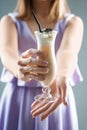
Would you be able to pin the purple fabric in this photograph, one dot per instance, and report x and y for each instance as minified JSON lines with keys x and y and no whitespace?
{"x":26,"y":40}
{"x":18,"y":95}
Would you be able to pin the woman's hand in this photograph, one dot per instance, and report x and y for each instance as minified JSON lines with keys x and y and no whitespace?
{"x":58,"y":88}
{"x":31,"y":66}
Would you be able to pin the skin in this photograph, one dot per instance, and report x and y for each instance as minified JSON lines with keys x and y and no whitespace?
{"x":26,"y":68}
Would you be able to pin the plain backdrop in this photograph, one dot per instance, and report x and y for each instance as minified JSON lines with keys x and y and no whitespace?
{"x":79,"y":8}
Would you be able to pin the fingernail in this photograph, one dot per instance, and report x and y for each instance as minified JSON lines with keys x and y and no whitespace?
{"x":42,"y":78}
{"x":65,"y":103}
{"x":33,"y":116}
{"x":18,"y":62}
{"x":46,"y":70}
{"x":42,"y":118}
{"x":45,"y":62}
{"x":40,"y":52}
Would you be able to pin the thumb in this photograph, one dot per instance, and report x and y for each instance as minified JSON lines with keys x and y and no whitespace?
{"x":65,"y":94}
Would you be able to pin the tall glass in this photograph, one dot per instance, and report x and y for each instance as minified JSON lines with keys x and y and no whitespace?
{"x":46,"y":43}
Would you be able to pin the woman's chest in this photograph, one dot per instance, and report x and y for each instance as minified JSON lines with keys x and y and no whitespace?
{"x":27,"y":39}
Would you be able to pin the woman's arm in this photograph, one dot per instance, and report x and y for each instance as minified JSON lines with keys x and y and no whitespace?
{"x":67,"y":55}
{"x":24,"y":67}
{"x":9,"y":45}
{"x":66,"y":61}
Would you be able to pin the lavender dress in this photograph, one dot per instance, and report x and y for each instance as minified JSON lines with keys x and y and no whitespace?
{"x":17,"y":97}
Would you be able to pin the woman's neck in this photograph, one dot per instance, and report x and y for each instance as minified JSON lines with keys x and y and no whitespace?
{"x":41,"y":7}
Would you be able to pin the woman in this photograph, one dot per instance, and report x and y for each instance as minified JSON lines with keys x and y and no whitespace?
{"x":23,"y":72}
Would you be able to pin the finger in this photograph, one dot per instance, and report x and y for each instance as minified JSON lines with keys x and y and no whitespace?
{"x":25,"y":61}
{"x":33,"y":62}
{"x":51,"y":109}
{"x":65,"y":93}
{"x":41,"y":109}
{"x":60,"y":93}
{"x":31,"y":52}
{"x":28,"y":76}
{"x":35,"y":103}
{"x":35,"y":77}
{"x":34,"y":70}
{"x":40,"y":104}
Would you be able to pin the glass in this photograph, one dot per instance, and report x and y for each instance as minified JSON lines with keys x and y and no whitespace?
{"x":46,"y":43}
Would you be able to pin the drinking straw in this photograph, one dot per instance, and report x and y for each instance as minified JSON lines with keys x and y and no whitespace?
{"x":39,"y":26}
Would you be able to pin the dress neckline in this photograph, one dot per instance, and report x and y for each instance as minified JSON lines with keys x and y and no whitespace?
{"x":31,"y":34}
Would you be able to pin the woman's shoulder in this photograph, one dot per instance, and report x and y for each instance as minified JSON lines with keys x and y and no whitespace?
{"x":9,"y":18}
{"x":7,"y":26}
{"x":6,"y":22}
{"x":72,"y":19}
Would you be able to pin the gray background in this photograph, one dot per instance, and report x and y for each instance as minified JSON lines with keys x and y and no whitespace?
{"x":79,"y":8}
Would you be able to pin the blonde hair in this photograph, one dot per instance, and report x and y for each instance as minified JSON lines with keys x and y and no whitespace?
{"x":57,"y":10}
